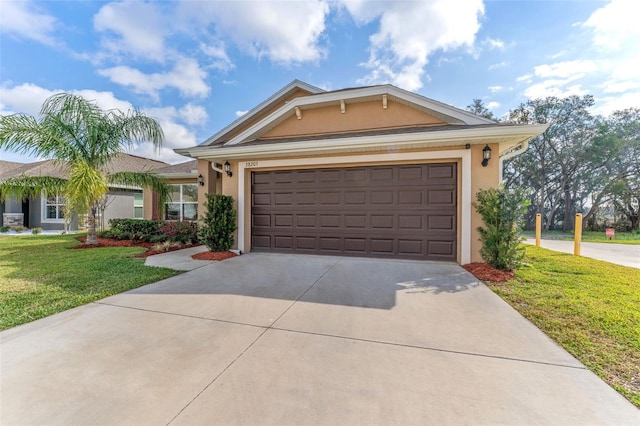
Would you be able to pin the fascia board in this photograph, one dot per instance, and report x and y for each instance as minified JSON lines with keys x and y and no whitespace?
{"x":252,"y":112}
{"x":179,"y":175}
{"x":254,"y":131}
{"x":321,"y":146}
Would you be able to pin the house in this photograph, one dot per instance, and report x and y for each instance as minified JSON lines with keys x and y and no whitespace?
{"x":48,"y":212}
{"x":368,"y":171}
{"x":183,"y":203}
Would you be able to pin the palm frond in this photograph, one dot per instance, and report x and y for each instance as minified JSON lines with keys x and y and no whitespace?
{"x":85,"y":187}
{"x":23,"y":187}
{"x":144,"y":180}
{"x":24,"y":134}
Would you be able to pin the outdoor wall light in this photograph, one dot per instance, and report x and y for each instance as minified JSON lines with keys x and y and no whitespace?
{"x":486,"y":155}
{"x":227,"y":169}
{"x":200,"y":180}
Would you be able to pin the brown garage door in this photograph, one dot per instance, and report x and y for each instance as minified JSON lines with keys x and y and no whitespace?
{"x":406,"y":211}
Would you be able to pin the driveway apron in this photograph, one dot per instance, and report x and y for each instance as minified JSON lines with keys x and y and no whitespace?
{"x":294,"y":339}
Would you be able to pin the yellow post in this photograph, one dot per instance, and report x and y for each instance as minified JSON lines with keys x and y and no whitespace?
{"x":538,"y":228}
{"x":577,"y":235}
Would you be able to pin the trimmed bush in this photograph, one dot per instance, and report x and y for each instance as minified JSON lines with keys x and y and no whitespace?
{"x":219,"y":223}
{"x":36,"y":231}
{"x":502,"y":212}
{"x":185,"y":232}
{"x":135,"y":229}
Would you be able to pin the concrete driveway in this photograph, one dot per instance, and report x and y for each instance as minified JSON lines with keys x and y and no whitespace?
{"x":284,"y":339}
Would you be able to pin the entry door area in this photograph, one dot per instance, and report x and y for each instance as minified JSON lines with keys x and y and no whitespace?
{"x":404,"y":211}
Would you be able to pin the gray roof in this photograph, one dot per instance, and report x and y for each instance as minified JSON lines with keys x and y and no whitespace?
{"x":188,"y":167}
{"x":57,"y":169}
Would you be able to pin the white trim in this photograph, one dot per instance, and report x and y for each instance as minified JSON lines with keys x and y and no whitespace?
{"x":295,"y":84}
{"x":465,"y":186}
{"x":451,"y":114}
{"x":43,"y":210}
{"x":478,"y":135}
{"x":513,"y":153}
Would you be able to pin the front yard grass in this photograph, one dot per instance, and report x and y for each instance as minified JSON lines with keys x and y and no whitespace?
{"x":40,"y":275}
{"x":590,"y":307}
{"x":632,"y":238}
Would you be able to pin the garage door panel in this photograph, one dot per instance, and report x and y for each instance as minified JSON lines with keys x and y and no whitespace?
{"x":387,"y":211}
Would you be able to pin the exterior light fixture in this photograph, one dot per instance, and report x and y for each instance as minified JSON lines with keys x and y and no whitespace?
{"x":227,"y":169}
{"x":486,"y":155}
{"x":200,"y":180}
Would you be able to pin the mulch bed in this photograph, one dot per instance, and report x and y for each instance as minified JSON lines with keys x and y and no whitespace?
{"x":107,"y":242}
{"x":486,"y":272}
{"x":213,"y":255}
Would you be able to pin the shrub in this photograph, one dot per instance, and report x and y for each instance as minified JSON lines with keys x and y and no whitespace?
{"x":185,"y":232}
{"x":19,"y":229}
{"x":4,"y":229}
{"x":36,"y":231}
{"x":501,"y":211}
{"x":136,"y":229}
{"x":219,"y":223}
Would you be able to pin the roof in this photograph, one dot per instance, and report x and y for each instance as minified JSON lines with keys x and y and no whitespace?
{"x":270,"y":113}
{"x":55,"y":168}
{"x":188,"y":167}
{"x":279,"y":96}
{"x":5,"y":166}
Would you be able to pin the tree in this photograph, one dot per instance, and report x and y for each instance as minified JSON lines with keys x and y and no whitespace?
{"x":219,"y":222}
{"x":557,"y":168}
{"x":501,"y":211}
{"x":478,"y":108}
{"x":83,"y":139}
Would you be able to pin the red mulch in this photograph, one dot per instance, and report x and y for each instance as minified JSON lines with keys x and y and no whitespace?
{"x":106,"y":242}
{"x":486,"y":272}
{"x":213,"y":255}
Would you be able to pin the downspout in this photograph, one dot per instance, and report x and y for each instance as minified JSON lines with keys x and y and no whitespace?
{"x":511,"y":154}
{"x":217,"y":169}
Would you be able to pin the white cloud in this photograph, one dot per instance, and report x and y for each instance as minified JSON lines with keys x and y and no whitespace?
{"x":26,"y":20}
{"x":241,"y":113}
{"x":557,"y":88}
{"x":189,"y":113}
{"x":493,"y":105}
{"x":495,"y":89}
{"x":615,"y":25}
{"x":216,"y":52}
{"x":502,"y":64}
{"x":409,"y":32}
{"x":28,"y":98}
{"x":132,"y":27}
{"x":285,"y":32}
{"x":186,"y":76}
{"x":494,"y":43}
{"x":565,"y":69}
{"x":608,"y":104}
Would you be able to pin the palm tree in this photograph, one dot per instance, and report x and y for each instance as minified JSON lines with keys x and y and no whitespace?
{"x":83,"y":138}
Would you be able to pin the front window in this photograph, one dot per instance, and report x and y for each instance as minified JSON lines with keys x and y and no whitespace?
{"x":53,"y":208}
{"x":183,"y":204}
{"x":138,"y":211}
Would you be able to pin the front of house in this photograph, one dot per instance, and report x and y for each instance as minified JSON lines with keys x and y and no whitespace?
{"x":47,"y":211}
{"x":372,"y":171}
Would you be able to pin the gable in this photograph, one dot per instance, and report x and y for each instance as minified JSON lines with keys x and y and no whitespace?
{"x":357,"y":116}
{"x":264,"y":112}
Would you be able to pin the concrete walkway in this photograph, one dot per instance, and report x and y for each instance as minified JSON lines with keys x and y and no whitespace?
{"x":621,"y":254}
{"x":301,"y":340}
{"x":180,"y":260}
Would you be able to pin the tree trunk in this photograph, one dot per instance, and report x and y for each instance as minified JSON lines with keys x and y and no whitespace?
{"x":92,"y":237}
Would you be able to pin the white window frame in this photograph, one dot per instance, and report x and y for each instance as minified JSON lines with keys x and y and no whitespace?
{"x":135,"y":206}
{"x":44,"y":218}
{"x":181,"y":202}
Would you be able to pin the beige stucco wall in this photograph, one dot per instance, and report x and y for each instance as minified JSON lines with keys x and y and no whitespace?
{"x":271,"y":108}
{"x":357,"y":116}
{"x":481,"y":177}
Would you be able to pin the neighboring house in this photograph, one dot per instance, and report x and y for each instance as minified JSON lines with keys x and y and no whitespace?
{"x":183,"y":202}
{"x":371,"y":171}
{"x":47,"y":212}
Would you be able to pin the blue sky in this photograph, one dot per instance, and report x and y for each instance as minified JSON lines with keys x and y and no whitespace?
{"x":197,"y":65}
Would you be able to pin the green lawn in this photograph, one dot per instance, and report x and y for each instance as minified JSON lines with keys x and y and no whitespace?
{"x":590,"y":307}
{"x":40,"y":275}
{"x":590,"y":237}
